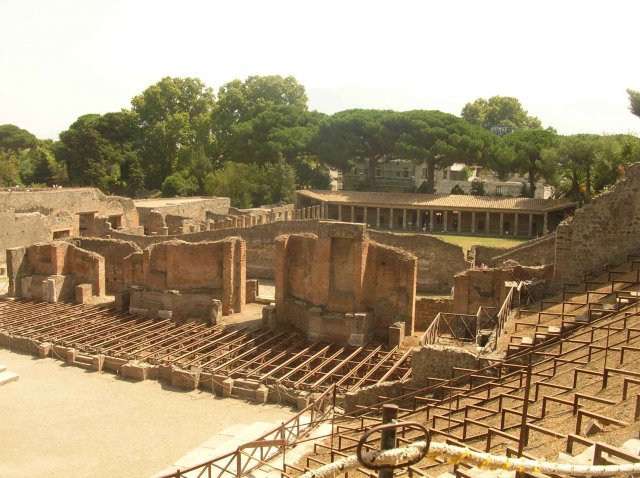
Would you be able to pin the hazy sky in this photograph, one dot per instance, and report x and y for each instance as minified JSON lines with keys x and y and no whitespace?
{"x":569,"y":62}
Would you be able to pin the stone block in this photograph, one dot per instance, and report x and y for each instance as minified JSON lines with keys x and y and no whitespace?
{"x":215,"y":312}
{"x":135,"y":370}
{"x":269,"y":316}
{"x":5,"y":339}
{"x":49,"y":292}
{"x":139,"y":311}
{"x":164,"y":372}
{"x":122,"y":300}
{"x":227,"y":387}
{"x":396,"y":334}
{"x":187,"y":379}
{"x":83,"y":293}
{"x":593,"y":427}
{"x":252,"y":291}
{"x":261,"y":394}
{"x":356,"y":340}
{"x":25,"y":287}
{"x":303,"y":401}
{"x":113,"y":364}
{"x":43,"y":349}
{"x":97,"y":362}
{"x":165,"y":314}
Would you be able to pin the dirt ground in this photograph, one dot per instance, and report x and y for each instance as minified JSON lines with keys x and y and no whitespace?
{"x":62,"y":421}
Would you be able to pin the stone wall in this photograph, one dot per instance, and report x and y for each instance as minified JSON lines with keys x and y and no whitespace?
{"x":114,"y":252}
{"x":339,"y":286}
{"x":51,"y":272}
{"x":185,"y":278}
{"x":601,"y":232}
{"x":427,"y":308}
{"x":486,"y":287}
{"x":536,"y":252}
{"x":438,"y":261}
{"x":437,"y":361}
{"x":28,"y":217}
{"x":194,"y":208}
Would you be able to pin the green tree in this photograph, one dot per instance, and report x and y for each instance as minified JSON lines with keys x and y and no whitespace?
{"x":281,"y":180}
{"x":102,"y":151}
{"x":174,"y":120}
{"x":16,"y":139}
{"x":477,"y":188}
{"x":500,"y":114}
{"x":237,"y":181}
{"x":9,"y":169}
{"x":440,"y":139}
{"x":179,"y":184}
{"x":527,"y":146}
{"x":368,"y":135}
{"x":634,"y":102}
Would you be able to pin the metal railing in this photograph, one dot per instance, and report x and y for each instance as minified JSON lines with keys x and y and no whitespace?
{"x":258,"y":453}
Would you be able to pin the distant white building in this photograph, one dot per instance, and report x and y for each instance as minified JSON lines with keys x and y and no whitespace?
{"x":461,"y":175}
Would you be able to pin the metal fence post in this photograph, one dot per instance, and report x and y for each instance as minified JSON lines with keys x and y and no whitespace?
{"x":388,"y":437}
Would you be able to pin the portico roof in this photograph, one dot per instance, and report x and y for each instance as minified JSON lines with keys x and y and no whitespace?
{"x":436,"y":201}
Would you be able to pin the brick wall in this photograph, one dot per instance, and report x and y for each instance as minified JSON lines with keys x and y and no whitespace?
{"x":197,"y":272}
{"x":61,"y":263}
{"x":602,"y":232}
{"x":114,"y":251}
{"x":321,"y":279}
{"x":427,"y":308}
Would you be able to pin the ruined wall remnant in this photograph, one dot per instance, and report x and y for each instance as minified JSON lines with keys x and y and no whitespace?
{"x":51,"y":272}
{"x":195,"y":208}
{"x":114,"y":252}
{"x":601,"y":232}
{"x":427,"y":308}
{"x":189,"y":280}
{"x":436,"y":361}
{"x":337,"y":285}
{"x":438,"y":261}
{"x":28,"y":217}
{"x":486,"y":287}
{"x":536,"y":252}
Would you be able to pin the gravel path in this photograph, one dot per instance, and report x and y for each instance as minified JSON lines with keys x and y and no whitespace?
{"x":62,"y":421}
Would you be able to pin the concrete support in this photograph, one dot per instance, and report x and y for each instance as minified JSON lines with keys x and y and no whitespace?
{"x":473,"y":222}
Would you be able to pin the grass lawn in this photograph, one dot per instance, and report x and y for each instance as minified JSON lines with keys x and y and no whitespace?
{"x":467,"y":241}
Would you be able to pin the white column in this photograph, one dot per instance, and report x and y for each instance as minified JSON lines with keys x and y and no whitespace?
{"x":487,"y":220}
{"x":473,"y":222}
{"x":339,"y":212}
{"x":459,"y":221}
{"x":418,"y":220}
{"x":353,"y":214}
{"x":445,"y":220}
{"x":404,"y":219}
{"x":390,"y":218}
{"x":431,"y":218}
{"x":378,"y":217}
{"x":545,"y":229}
{"x":515,"y":224}
{"x":501,"y":223}
{"x":530,"y":224}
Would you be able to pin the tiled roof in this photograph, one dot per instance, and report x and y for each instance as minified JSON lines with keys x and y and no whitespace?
{"x":434,"y":201}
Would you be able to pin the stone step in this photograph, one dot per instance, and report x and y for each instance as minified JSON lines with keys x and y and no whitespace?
{"x":6,"y":377}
